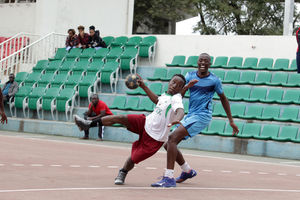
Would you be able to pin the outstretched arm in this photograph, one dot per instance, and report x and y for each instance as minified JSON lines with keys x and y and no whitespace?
{"x":226,"y":106}
{"x":178,"y":115}
{"x":187,"y":86}
{"x":153,"y":97}
{"x":2,"y":112}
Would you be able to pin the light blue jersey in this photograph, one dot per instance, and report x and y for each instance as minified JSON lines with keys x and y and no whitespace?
{"x":200,"y":103}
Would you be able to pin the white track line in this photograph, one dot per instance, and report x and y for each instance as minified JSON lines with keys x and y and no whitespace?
{"x":151,"y":168}
{"x":151,"y":188}
{"x":244,"y":172}
{"x":281,"y":174}
{"x":2,"y":165}
{"x":207,"y":170}
{"x":55,"y":165}
{"x":112,"y":167}
{"x":75,"y":166}
{"x":263,"y":173}
{"x":94,"y":166}
{"x":36,"y":165}
{"x":186,"y":154}
{"x":18,"y":165}
{"x":226,"y":171}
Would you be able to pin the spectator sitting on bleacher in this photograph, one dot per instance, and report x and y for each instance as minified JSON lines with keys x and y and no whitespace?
{"x":83,"y":38}
{"x":95,"y":40}
{"x":9,"y":88}
{"x":72,"y":40}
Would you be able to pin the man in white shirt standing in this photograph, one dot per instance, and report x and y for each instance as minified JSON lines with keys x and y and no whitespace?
{"x":153,"y":130}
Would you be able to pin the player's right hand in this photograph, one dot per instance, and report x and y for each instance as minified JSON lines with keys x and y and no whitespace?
{"x":3,"y":118}
{"x":140,"y":81}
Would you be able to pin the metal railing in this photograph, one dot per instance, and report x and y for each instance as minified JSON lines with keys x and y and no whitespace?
{"x":17,"y":1}
{"x":26,"y":57}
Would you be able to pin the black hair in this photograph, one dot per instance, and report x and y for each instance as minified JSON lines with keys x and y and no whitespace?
{"x":92,"y":27}
{"x":94,"y":96}
{"x":181,"y":76}
{"x":72,"y":30}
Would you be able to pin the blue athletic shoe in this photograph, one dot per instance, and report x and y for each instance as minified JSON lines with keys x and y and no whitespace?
{"x":183,"y":176}
{"x":165,"y":182}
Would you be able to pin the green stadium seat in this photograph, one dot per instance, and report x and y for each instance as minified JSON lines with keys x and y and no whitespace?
{"x":250,"y":130}
{"x":158,"y":74}
{"x":73,"y":81}
{"x":288,"y":133}
{"x":20,"y":98}
{"x":73,"y":54}
{"x":114,"y":54}
{"x":293,"y":66}
{"x":185,"y":71}
{"x":128,"y":60}
{"x":253,"y":111}
{"x":146,"y":105}
{"x":218,"y":110}
{"x":257,"y":94}
{"x":45,"y":80}
{"x":220,"y":61}
{"x":32,"y":78}
{"x":290,"y":96}
{"x":262,"y":78}
{"x":191,"y":62}
{"x":241,"y":93}
{"x":53,"y":66}
{"x":33,"y":98}
{"x":216,"y":127}
{"x":275,"y":95}
{"x":278,"y":79}
{"x":108,"y":40}
{"x":232,"y":76}
{"x":133,"y":42}
{"x":187,"y":94}
{"x":229,"y":91}
{"x":211,"y":59}
{"x":249,"y":63}
{"x":137,"y":91}
{"x":246,"y":78}
{"x":219,"y":73}
{"x":87,"y":86}
{"x":59,"y":80}
{"x":177,"y":60}
{"x":95,"y":67}
{"x":67,"y":66}
{"x":21,"y":76}
{"x":293,"y":81}
{"x":147,"y":47}
{"x":170,"y":74}
{"x":234,"y":62}
{"x":109,"y":75}
{"x":288,"y":114}
{"x":297,"y":139}
{"x":269,"y":113}
{"x":46,"y":102}
{"x":264,"y":63}
{"x":280,"y":64}
{"x":40,"y":66}
{"x":100,"y":54}
{"x":119,"y":42}
{"x":268,"y":132}
{"x":156,"y":88}
{"x":228,"y":129}
{"x":65,"y":102}
{"x":87,"y":54}
{"x":118,"y":103}
{"x":132,"y":103}
{"x":60,"y":54}
{"x":81,"y":66}
{"x":237,"y":109}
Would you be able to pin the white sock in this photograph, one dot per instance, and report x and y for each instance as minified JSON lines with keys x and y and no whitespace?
{"x":169,"y":173}
{"x":186,"y":167}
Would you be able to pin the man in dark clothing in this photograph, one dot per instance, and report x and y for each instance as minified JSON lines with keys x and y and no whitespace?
{"x":83,"y":38}
{"x":72,"y":40}
{"x":10,"y":88}
{"x":97,"y":109}
{"x":95,"y":41}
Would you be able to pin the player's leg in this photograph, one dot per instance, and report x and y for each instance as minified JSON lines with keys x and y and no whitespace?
{"x":179,"y":159}
{"x":128,"y":165}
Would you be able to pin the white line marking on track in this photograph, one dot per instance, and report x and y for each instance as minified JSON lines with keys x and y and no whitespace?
{"x":94,"y":166}
{"x":36,"y":165}
{"x":112,"y":167}
{"x":263,"y":173}
{"x":151,"y":168}
{"x":207,"y":170}
{"x":281,"y":174}
{"x":2,"y":165}
{"x":55,"y":165}
{"x":74,"y":166}
{"x":244,"y":172}
{"x":151,"y":188}
{"x":17,"y":165}
{"x":298,"y":175}
{"x":226,"y":171}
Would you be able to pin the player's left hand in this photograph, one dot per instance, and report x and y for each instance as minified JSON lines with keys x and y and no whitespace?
{"x":235,"y":129}
{"x":3,"y":118}
{"x":192,"y":83}
{"x":174,"y":123}
{"x":140,"y":81}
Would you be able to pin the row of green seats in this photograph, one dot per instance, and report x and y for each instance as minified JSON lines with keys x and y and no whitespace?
{"x":255,"y":130}
{"x":46,"y":99}
{"x":258,"y":78}
{"x":261,"y":94}
{"x":259,"y":112}
{"x":238,"y":63}
{"x":165,"y":74}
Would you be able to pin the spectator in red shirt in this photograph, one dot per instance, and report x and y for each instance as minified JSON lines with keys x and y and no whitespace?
{"x":83,"y":38}
{"x":97,"y":109}
{"x":72,"y":40}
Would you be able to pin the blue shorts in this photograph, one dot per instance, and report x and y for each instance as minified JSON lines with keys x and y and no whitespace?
{"x":194,"y":124}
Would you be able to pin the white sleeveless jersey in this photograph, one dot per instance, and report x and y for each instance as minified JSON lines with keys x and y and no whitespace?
{"x":157,"y":122}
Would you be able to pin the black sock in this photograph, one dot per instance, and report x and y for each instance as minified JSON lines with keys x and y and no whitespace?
{"x":123,"y":170}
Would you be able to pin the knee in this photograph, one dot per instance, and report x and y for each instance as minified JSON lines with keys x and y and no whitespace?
{"x":171,"y":140}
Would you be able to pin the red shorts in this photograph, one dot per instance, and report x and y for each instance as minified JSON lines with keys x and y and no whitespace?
{"x":146,"y":146}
